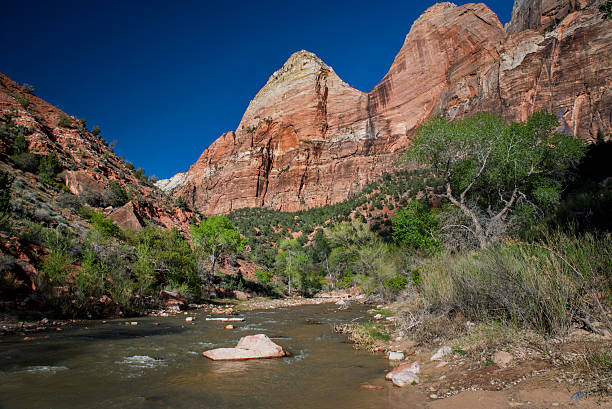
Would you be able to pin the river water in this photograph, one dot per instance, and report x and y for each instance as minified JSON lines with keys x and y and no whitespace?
{"x":113,"y":365}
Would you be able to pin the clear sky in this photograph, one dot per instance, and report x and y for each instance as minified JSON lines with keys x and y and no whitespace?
{"x":166,"y":78}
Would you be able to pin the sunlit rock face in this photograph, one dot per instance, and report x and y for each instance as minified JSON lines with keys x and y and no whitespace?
{"x":308,"y":139}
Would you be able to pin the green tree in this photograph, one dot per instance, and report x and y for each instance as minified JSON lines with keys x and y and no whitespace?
{"x":96,"y":130}
{"x":215,"y":237}
{"x":64,"y":121}
{"x":489,"y":168}
{"x":291,"y":262}
{"x":415,"y":227}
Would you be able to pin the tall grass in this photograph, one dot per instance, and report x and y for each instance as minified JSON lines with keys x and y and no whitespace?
{"x":546,"y":285}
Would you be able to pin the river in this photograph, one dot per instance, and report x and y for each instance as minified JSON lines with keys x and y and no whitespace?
{"x":113,"y":365}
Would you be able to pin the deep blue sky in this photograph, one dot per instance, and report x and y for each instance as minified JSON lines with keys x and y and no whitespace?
{"x":165,"y":79}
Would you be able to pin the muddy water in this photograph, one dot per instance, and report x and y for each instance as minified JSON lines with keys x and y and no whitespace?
{"x":111,"y":365}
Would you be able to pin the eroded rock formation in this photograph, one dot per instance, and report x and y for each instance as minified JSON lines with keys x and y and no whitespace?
{"x":308,"y":139}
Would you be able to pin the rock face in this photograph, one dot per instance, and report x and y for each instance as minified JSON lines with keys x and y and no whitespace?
{"x":90,"y":165}
{"x":250,"y":347}
{"x":308,"y":139}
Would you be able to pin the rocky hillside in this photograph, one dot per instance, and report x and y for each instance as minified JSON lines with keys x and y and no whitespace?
{"x":308,"y":139}
{"x":87,"y":166}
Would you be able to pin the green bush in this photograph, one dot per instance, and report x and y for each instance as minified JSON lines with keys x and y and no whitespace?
{"x":415,"y":227}
{"x":49,"y":168}
{"x":263,"y":276}
{"x":6,"y":184}
{"x":104,"y":225}
{"x":116,"y":195}
{"x":28,"y":162}
{"x":67,"y":200}
{"x":545,"y":285}
{"x":64,"y":121}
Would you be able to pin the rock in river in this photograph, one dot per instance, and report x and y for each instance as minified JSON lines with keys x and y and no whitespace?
{"x":250,"y":347}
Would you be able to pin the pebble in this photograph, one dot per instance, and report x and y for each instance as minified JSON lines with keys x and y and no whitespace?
{"x":433,"y":396}
{"x":578,"y":395}
{"x":396,"y":356}
{"x":230,"y":326}
{"x":189,"y":319}
{"x":133,"y":323}
{"x":378,"y":317}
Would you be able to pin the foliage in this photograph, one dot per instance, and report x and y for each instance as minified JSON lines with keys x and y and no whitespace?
{"x":6,"y":183}
{"x":26,"y":161}
{"x":64,"y":121}
{"x":546,"y":285}
{"x":67,"y":200}
{"x":49,"y":168}
{"x":606,"y":9}
{"x":291,"y":263}
{"x":23,"y":101}
{"x":96,"y":130}
{"x":116,"y":194}
{"x":415,"y":227}
{"x":264,"y":276}
{"x":103,"y":225}
{"x":28,"y":88}
{"x":489,"y":167}
{"x":215,"y":237}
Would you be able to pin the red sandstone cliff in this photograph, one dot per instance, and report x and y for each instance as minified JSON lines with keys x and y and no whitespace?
{"x":308,"y":139}
{"x":89,"y":164}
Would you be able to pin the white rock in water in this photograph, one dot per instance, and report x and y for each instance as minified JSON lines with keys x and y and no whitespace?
{"x":404,"y":378}
{"x":441,"y":353}
{"x":189,"y":319}
{"x":249,"y":347}
{"x":396,"y":356}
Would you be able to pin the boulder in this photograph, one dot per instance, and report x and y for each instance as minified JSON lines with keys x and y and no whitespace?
{"x":249,"y":347}
{"x":404,"y":378}
{"x":414,"y":367}
{"x":396,"y":356}
{"x":241,"y":295}
{"x":441,"y":353}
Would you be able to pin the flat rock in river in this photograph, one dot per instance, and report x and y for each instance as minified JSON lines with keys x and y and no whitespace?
{"x":249,"y":347}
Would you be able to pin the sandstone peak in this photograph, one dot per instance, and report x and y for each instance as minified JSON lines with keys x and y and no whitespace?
{"x":308,"y":139}
{"x":299,"y":63}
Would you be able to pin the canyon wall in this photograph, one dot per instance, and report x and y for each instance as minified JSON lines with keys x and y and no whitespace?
{"x":308,"y":139}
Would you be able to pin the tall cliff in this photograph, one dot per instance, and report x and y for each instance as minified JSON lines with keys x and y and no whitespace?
{"x":308,"y":139}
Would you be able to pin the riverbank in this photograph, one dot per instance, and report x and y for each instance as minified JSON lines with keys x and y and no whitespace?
{"x":493,"y":366}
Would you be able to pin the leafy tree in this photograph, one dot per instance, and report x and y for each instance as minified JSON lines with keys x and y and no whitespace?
{"x":96,"y":130}
{"x":415,"y":227}
{"x":215,"y":237}
{"x":291,"y":262}
{"x":264,"y":276}
{"x":489,"y":168}
{"x":6,"y":183}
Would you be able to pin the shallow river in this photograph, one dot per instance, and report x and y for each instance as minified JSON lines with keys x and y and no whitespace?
{"x":111,"y":365}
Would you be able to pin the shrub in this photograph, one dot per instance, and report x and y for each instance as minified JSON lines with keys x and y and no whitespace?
{"x":263,"y":276}
{"x":23,"y":101}
{"x":64,"y":121}
{"x":104,"y":225}
{"x":28,"y":162}
{"x":20,"y":145}
{"x":116,"y":195}
{"x":546,"y":285}
{"x":28,"y":88}
{"x":6,"y":183}
{"x":67,"y":200}
{"x":415,"y":227}
{"x":49,"y":167}
{"x":93,"y":198}
{"x":96,"y":130}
